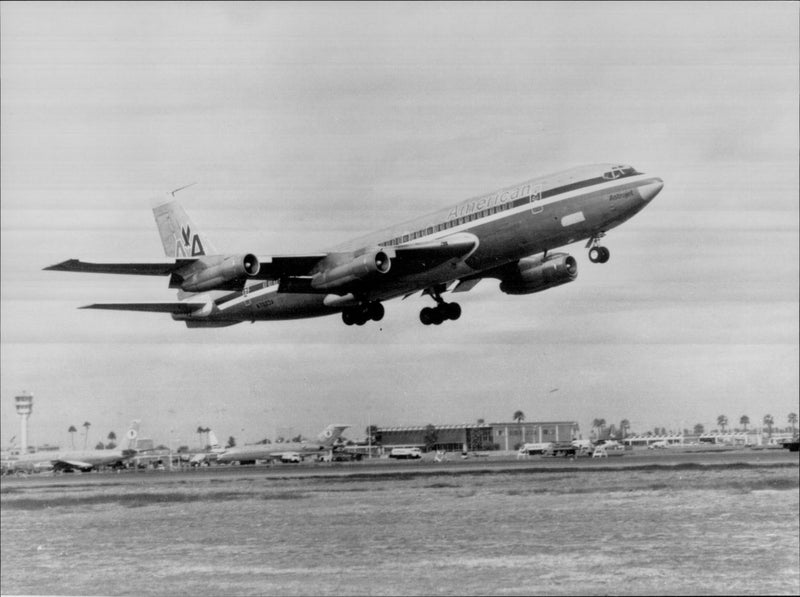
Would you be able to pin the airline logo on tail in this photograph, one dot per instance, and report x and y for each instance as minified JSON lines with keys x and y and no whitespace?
{"x":330,"y":434}
{"x":196,"y":244}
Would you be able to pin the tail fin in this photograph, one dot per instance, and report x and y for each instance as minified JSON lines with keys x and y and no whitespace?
{"x":132,"y":435}
{"x":180,"y":237}
{"x":330,"y":434}
{"x":212,"y":440}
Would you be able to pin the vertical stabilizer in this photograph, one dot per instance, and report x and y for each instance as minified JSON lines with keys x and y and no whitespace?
{"x":213,"y":441}
{"x":330,"y":434}
{"x":132,"y":435}
{"x":180,"y":237}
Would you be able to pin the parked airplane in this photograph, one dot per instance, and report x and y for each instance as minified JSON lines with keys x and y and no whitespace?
{"x":286,"y":452}
{"x":508,"y":235}
{"x":81,"y":460}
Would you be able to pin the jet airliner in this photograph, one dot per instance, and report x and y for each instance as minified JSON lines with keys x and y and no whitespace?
{"x":286,"y":452}
{"x":81,"y":460}
{"x":508,"y":235}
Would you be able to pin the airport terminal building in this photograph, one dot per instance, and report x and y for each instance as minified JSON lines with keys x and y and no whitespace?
{"x":477,"y":436}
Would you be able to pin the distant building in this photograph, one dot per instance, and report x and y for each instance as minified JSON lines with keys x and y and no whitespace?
{"x":510,"y":436}
{"x":470,"y":437}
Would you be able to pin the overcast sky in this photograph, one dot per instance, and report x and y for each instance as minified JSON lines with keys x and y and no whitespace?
{"x":307,"y":124}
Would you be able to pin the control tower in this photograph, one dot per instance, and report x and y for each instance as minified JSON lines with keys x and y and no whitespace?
{"x":24,"y":404}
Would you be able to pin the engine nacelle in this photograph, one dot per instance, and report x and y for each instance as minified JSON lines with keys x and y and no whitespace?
{"x":217,"y":275}
{"x":371,"y":262}
{"x":534,"y":274}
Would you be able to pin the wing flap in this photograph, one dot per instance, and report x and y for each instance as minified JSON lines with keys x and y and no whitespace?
{"x":175,"y":308}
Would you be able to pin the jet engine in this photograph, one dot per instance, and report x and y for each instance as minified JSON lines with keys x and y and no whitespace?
{"x":534,"y":274}
{"x":371,"y":262}
{"x":217,"y":275}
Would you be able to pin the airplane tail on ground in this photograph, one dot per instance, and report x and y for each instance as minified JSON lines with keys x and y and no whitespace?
{"x":132,"y":436}
{"x":180,"y":237}
{"x":330,"y":434}
{"x":213,"y":442}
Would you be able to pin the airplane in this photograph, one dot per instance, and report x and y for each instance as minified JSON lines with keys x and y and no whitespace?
{"x":80,"y":460}
{"x":285,"y":452}
{"x":508,"y":234}
{"x":210,"y":455}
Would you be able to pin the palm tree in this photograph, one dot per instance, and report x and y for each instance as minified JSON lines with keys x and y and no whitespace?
{"x":431,"y":436}
{"x":519,"y":416}
{"x":86,"y":425}
{"x":112,"y":440}
{"x":744,"y":420}
{"x":699,"y":429}
{"x":72,"y":431}
{"x":792,"y":419}
{"x":598,"y":424}
{"x":722,"y":421}
{"x":769,"y":422}
{"x":624,"y":426}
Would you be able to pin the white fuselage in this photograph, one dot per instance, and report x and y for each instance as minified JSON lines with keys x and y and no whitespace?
{"x":540,"y":214}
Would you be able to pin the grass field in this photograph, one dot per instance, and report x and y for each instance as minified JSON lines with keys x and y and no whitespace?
{"x":729,"y":527}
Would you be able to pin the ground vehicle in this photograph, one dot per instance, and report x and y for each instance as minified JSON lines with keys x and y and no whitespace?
{"x":540,"y":448}
{"x":405,"y":453}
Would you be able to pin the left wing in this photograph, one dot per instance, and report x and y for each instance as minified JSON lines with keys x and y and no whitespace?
{"x":343,"y":271}
{"x":137,"y":269}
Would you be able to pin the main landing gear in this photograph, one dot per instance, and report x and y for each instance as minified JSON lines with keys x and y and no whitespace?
{"x":597,"y":254}
{"x":363,"y":313}
{"x":441,"y":312}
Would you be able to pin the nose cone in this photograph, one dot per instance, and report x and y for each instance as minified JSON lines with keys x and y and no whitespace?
{"x":651,"y":189}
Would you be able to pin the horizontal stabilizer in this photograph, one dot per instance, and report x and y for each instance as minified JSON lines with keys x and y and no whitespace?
{"x":176,"y":308}
{"x":138,"y":269}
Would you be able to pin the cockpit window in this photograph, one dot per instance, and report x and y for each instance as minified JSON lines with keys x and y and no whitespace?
{"x":619,"y":172}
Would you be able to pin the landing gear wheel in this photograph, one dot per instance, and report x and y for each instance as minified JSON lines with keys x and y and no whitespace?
{"x":599,"y":254}
{"x":426,"y":316}
{"x":348,"y":317}
{"x":452,"y":310}
{"x":376,"y":311}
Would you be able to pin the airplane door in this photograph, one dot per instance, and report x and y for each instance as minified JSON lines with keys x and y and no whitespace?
{"x":536,"y":197}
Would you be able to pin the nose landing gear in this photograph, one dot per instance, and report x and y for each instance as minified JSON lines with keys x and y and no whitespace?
{"x":597,"y":254}
{"x":441,"y":312}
